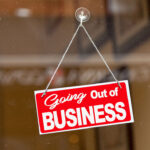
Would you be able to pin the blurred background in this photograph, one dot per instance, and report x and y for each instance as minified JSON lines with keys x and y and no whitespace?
{"x":33,"y":37}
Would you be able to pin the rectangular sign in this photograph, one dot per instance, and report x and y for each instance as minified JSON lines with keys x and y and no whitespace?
{"x":80,"y":107}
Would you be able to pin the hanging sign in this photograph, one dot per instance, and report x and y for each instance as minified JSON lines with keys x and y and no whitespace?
{"x":81,"y":107}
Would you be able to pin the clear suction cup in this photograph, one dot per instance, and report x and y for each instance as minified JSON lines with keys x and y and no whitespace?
{"x":82,"y":14}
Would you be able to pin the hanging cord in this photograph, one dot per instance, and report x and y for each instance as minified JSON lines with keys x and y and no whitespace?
{"x":61,"y":60}
{"x":101,"y":56}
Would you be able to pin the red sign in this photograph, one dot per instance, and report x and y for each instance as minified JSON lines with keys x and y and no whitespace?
{"x":81,"y":107}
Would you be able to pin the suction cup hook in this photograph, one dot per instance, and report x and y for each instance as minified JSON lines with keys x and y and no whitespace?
{"x":82,"y":14}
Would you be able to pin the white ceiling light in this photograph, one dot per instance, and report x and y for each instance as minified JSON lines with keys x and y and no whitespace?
{"x":23,"y":12}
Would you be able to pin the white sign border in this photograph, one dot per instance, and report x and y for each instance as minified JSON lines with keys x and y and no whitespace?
{"x":74,"y":87}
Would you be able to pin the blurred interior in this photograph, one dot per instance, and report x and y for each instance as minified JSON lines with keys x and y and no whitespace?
{"x":33,"y":37}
